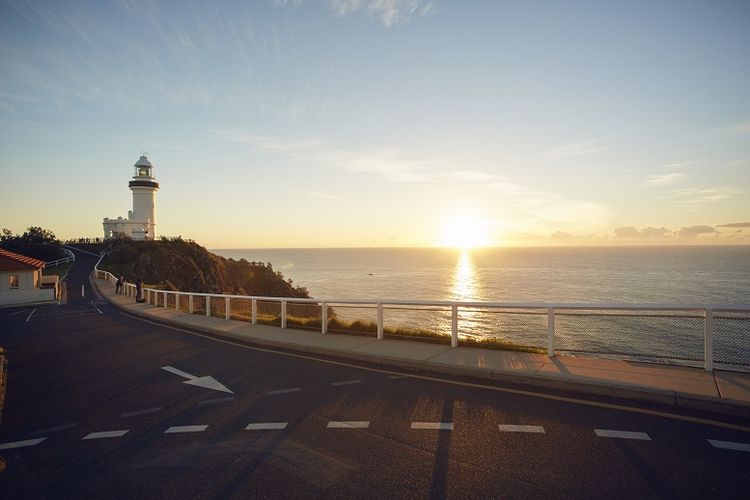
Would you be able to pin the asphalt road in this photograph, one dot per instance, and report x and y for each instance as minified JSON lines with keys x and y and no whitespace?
{"x":91,"y":413}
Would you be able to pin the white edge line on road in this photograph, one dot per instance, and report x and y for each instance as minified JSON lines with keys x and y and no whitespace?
{"x":534,"y":429}
{"x":346,"y":382}
{"x":21,"y":444}
{"x":520,"y":392}
{"x":729,"y":445}
{"x":285,"y":391}
{"x":266,"y":426}
{"x":17,"y":312}
{"x":97,"y":309}
{"x":217,"y":400}
{"x":435,"y":426}
{"x":347,"y":425}
{"x":30,"y":315}
{"x":106,"y":434}
{"x":178,"y":429}
{"x":611,"y":433}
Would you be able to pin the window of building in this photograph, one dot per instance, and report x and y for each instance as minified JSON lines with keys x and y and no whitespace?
{"x":13,"y":281}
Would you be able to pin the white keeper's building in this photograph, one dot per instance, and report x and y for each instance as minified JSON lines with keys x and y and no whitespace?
{"x":141,"y":221}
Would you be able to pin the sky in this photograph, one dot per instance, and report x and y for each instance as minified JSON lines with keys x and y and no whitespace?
{"x":369,"y":123}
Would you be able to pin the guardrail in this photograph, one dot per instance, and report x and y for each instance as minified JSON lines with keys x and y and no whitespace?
{"x":70,"y":258}
{"x":553,"y":316}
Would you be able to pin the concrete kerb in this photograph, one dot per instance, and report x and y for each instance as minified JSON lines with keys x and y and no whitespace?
{"x":552,"y":382}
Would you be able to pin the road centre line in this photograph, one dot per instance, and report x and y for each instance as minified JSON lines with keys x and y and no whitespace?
{"x":30,"y":315}
{"x":217,"y":400}
{"x":610,"y":433}
{"x":437,"y":426}
{"x":347,"y":425}
{"x":147,"y":411}
{"x":536,"y":429}
{"x":106,"y":434}
{"x":729,"y":445}
{"x":179,"y":429}
{"x":346,"y":382}
{"x":60,"y":427}
{"x":21,"y":444}
{"x":285,"y":391}
{"x":539,"y":395}
{"x":266,"y":426}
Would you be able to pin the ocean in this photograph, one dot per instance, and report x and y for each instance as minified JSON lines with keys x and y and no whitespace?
{"x":595,"y":275}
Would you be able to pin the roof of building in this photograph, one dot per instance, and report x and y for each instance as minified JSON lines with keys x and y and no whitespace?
{"x":11,"y":261}
{"x":143,"y":162}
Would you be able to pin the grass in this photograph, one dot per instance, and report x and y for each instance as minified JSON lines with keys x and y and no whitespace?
{"x":60,"y":270}
{"x":369,"y":328}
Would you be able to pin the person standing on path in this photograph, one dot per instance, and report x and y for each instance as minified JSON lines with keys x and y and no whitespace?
{"x":118,"y":285}
{"x":138,"y":286}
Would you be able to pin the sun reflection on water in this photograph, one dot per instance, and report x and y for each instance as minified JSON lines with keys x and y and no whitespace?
{"x":465,"y":290}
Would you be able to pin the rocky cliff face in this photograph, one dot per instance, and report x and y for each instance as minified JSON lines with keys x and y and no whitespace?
{"x":186,"y":266}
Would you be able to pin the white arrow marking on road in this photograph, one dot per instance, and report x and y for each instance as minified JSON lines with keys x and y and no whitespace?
{"x":208,"y":382}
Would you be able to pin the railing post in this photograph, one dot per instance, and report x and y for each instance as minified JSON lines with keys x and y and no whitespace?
{"x":454,"y":325}
{"x":283,"y":314}
{"x":227,"y":306}
{"x":190,"y":304}
{"x":165,"y":300}
{"x":208,"y":306}
{"x":253,"y":311}
{"x":708,"y":347}
{"x":380,"y":321}
{"x":324,"y":318}
{"x":551,"y":332}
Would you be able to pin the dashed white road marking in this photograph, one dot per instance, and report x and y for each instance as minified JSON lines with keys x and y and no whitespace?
{"x":347,"y":425}
{"x":396,"y":376}
{"x":30,"y":315}
{"x":106,"y":434}
{"x":17,"y":312}
{"x":21,"y":444}
{"x":346,"y":382}
{"x":266,"y":426}
{"x":147,"y":411}
{"x":285,"y":391}
{"x":178,"y":429}
{"x":438,"y":426}
{"x":60,"y":427}
{"x":536,"y":429}
{"x":729,"y":445}
{"x":622,"y":434}
{"x":216,"y":400}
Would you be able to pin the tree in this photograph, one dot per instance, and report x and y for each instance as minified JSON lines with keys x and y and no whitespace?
{"x":35,"y":242}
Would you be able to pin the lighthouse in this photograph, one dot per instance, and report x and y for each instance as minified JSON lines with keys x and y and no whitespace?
{"x":141,"y":221}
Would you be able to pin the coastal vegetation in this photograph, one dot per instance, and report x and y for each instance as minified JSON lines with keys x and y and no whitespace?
{"x":36,"y":242}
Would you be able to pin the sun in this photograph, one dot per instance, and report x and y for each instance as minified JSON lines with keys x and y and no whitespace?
{"x":464,"y":232}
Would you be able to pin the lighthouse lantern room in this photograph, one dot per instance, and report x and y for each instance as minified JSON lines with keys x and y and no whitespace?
{"x":141,"y":221}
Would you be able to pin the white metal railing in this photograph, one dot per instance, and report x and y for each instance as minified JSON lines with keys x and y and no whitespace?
{"x":550,"y":310}
{"x":70,"y":258}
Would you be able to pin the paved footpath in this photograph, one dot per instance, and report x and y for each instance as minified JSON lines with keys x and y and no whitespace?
{"x":720,"y":391}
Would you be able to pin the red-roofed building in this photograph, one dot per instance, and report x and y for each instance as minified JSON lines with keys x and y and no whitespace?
{"x":21,"y":280}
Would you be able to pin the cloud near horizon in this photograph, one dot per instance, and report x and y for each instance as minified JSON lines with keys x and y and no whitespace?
{"x":576,"y":149}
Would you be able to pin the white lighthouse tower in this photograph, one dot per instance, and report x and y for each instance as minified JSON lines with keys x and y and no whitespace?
{"x":141,"y":221}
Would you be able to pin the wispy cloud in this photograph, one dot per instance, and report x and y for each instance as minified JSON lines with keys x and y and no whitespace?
{"x":389,"y":12}
{"x":390,"y":163}
{"x":474,"y":176}
{"x":647,"y":233}
{"x":693,"y":232}
{"x":736,"y":225}
{"x":323,"y":196}
{"x":576,"y":149}
{"x":665,"y":179}
{"x":735,"y":129}
{"x":700,"y":195}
